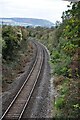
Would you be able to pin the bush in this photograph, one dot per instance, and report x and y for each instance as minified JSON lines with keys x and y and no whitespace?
{"x":60,"y":62}
{"x":12,"y":38}
{"x":60,"y":102}
{"x":69,"y":48}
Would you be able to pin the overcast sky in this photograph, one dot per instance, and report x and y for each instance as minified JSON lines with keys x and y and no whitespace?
{"x":44,"y":9}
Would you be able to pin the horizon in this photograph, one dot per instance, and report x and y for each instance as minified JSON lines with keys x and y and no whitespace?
{"x":50,"y":10}
{"x":25,"y":18}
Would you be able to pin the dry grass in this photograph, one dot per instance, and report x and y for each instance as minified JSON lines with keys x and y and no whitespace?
{"x":13,"y":69}
{"x":58,"y":80}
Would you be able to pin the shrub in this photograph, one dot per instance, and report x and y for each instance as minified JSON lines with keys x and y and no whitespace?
{"x":60,"y":102}
{"x":12,"y":40}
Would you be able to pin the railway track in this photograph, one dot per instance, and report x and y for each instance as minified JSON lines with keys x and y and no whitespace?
{"x":18,"y":105}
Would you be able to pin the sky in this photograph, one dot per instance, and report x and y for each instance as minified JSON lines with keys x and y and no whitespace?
{"x":43,"y":9}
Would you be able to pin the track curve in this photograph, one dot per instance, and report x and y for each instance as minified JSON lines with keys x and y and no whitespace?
{"x":20,"y":101}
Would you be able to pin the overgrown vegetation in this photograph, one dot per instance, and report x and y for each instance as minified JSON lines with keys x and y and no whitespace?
{"x":15,"y":53}
{"x":12,"y":38}
{"x":63,"y":44}
{"x":66,"y":59}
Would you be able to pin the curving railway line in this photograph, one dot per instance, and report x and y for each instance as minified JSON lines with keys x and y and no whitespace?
{"x":18,"y":105}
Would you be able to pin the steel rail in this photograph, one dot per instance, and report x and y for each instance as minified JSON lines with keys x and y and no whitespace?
{"x":32,"y":90}
{"x":20,"y":88}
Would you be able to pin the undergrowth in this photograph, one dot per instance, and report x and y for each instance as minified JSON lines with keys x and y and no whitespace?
{"x":63,"y":44}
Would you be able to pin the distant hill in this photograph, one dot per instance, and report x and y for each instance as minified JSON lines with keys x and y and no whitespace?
{"x":26,"y":22}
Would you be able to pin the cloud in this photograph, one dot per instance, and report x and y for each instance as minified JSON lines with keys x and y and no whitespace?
{"x":45,"y":9}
